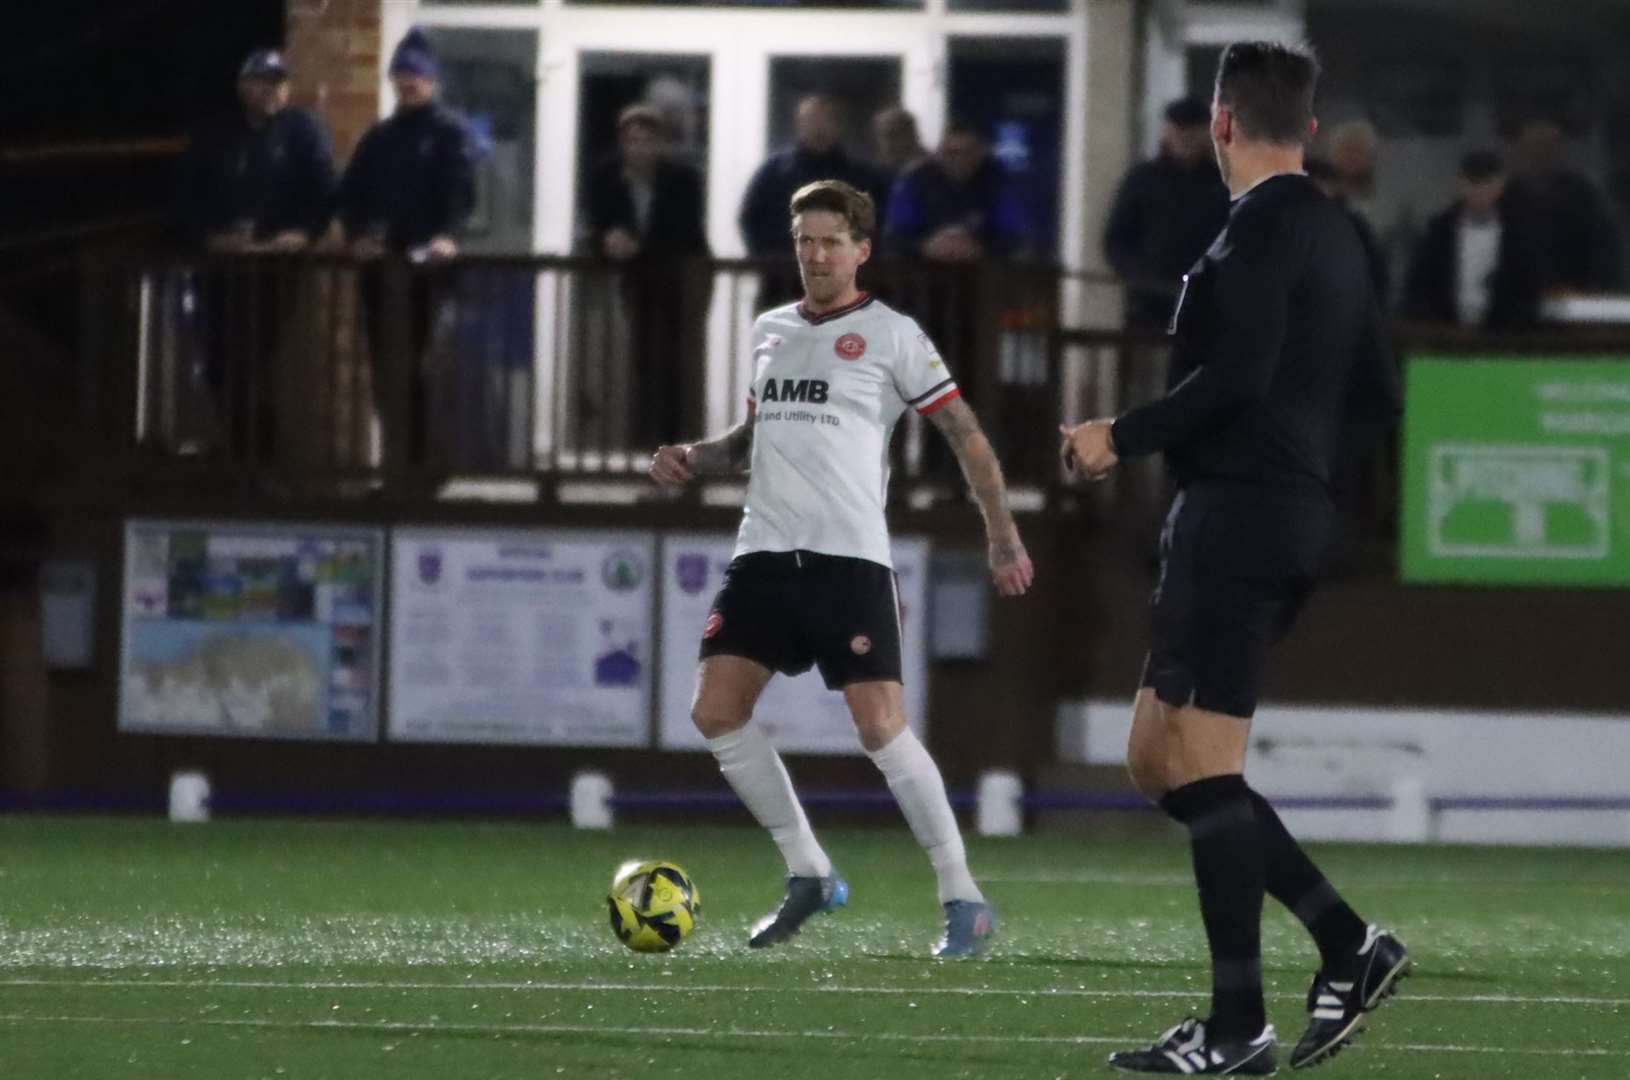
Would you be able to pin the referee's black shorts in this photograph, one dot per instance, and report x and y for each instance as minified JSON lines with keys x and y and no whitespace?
{"x":793,"y":610}
{"x":1237,"y":565}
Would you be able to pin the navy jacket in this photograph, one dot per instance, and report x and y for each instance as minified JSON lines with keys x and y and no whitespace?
{"x":673,"y":227}
{"x":1432,"y":290}
{"x":926,"y":199}
{"x":1164,"y":217}
{"x":279,"y":176}
{"x":413,"y":175}
{"x":765,"y":219}
{"x":1279,"y":357}
{"x":1575,"y":236}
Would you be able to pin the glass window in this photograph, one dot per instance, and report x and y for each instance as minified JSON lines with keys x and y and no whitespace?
{"x":802,"y":5}
{"x":488,"y":75}
{"x":1010,"y":5}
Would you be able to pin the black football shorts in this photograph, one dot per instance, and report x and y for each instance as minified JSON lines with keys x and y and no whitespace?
{"x":794,"y":610}
{"x":1237,"y":565}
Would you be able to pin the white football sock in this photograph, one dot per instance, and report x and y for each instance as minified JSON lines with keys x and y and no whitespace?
{"x":753,"y":768}
{"x":920,"y":791}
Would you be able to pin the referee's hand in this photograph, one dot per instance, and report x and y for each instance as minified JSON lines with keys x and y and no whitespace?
{"x":670,"y":466}
{"x":1089,"y":448}
{"x":1010,"y":567}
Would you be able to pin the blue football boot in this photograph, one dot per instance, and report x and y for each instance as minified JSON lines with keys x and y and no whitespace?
{"x":805,"y":896}
{"x":969,"y":925}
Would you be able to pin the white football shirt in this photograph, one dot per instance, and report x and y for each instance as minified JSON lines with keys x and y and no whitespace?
{"x":826,"y":393}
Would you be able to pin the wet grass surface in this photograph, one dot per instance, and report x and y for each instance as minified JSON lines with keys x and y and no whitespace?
{"x":132,"y":948}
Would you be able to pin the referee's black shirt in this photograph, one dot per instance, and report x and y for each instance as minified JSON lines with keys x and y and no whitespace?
{"x":1278,"y":353}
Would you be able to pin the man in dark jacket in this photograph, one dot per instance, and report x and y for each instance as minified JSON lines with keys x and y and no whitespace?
{"x":815,"y":154}
{"x":958,"y":205}
{"x":410,"y":186}
{"x":263,"y":176}
{"x":1166,"y":214}
{"x":409,"y":190}
{"x":1577,"y":239}
{"x":646,"y":212}
{"x":1479,"y":261}
{"x":259,"y":179}
{"x":1279,"y":358}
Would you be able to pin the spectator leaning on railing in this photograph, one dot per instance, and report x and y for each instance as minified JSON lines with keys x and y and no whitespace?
{"x":958,"y":205}
{"x":1165,"y":215}
{"x":1578,"y":240}
{"x":262,"y":176}
{"x":1479,"y":262}
{"x":646,"y":211}
{"x":258,"y":179}
{"x":409,"y":190}
{"x":410,"y":186}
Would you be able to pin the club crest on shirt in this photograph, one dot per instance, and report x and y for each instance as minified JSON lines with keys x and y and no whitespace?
{"x":850,"y":347}
{"x":773,"y":341}
{"x":860,"y":644}
{"x":715,"y":623}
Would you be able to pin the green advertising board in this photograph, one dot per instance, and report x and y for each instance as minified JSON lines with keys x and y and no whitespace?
{"x":1517,"y":472}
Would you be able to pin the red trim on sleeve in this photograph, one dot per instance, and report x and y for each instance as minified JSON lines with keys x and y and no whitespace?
{"x":955,"y":392}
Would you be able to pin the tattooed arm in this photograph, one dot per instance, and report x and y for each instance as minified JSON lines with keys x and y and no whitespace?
{"x":728,"y":454}
{"x":1009,"y":563}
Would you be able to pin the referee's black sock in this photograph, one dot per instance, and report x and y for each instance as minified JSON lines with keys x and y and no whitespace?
{"x":1294,"y":881}
{"x":1228,"y":868}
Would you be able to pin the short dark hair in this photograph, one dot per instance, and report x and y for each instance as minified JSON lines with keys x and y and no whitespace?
{"x":1269,"y":87}
{"x":641,"y":115}
{"x":1480,"y":165}
{"x":1188,"y":112}
{"x":853,"y":205}
{"x":958,"y":126}
{"x":897,"y":115}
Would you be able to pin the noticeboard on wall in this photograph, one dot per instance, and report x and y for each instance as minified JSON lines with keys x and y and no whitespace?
{"x":538,"y":637}
{"x":250,"y":629}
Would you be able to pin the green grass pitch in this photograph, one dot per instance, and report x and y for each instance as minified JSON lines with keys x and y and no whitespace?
{"x":305,"y":949}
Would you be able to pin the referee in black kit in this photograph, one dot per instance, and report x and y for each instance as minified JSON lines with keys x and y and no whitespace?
{"x":1278,"y":360}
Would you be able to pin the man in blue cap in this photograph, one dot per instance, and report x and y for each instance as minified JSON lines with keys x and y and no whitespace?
{"x":260,"y":178}
{"x":409,"y":190}
{"x":264,"y":176}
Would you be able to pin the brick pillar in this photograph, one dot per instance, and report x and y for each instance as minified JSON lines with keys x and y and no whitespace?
{"x":334,"y":51}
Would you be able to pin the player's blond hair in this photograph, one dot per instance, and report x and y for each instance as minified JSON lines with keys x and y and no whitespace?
{"x":849,"y":202}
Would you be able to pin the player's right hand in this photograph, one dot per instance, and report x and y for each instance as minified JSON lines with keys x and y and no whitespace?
{"x":670,"y":466}
{"x":1010,"y":568}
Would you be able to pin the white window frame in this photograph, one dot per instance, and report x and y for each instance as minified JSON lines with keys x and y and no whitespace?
{"x":740,"y":43}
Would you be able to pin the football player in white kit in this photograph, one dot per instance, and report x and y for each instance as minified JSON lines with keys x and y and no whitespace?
{"x":811,"y":583}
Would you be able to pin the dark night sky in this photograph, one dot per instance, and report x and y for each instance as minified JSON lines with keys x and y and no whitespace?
{"x":75,"y":72}
{"x":91,"y":68}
